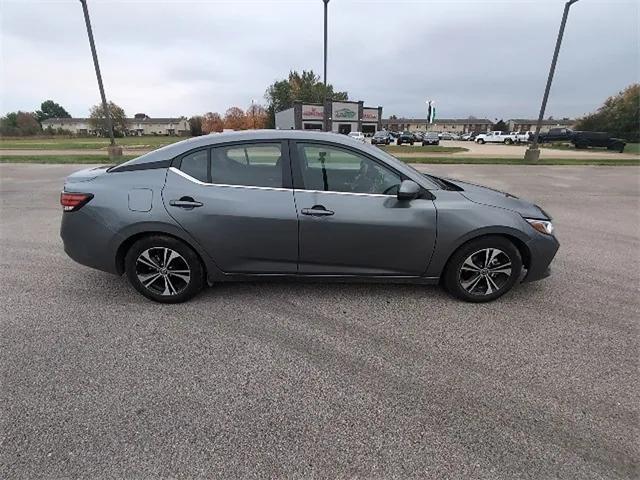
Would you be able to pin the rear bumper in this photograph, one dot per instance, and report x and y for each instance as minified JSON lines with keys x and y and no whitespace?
{"x":88,"y":241}
{"x":543,"y":249}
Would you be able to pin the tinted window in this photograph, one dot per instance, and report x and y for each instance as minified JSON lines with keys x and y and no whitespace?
{"x":195,"y":165}
{"x":329,"y":168}
{"x":253,"y":164}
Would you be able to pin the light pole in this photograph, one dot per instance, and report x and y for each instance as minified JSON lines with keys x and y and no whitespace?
{"x":533,"y":152}
{"x":114,"y":151}
{"x":326,"y":5}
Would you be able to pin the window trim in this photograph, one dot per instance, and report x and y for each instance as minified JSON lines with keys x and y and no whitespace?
{"x":285,"y":164}
{"x":298,"y":180}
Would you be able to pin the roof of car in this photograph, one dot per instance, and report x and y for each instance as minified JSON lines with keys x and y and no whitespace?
{"x":173,"y":150}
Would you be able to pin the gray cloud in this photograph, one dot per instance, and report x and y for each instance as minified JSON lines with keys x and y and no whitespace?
{"x":476,"y":57}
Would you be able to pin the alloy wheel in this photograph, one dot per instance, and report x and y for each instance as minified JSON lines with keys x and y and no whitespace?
{"x":163,"y":271}
{"x":485,"y":271}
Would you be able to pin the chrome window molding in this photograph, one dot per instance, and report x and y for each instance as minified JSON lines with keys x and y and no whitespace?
{"x":205,"y":184}
{"x":254,"y":187}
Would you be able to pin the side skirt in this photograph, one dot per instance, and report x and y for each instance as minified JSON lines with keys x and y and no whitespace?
{"x":276,"y":277}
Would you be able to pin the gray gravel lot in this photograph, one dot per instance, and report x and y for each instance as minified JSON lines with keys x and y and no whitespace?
{"x":273,"y":380}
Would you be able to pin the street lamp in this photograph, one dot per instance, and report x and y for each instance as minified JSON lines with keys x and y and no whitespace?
{"x":114,"y":150}
{"x":533,"y":152}
{"x":326,"y":4}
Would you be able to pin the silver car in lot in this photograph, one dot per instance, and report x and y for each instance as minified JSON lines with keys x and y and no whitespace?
{"x":306,"y":205}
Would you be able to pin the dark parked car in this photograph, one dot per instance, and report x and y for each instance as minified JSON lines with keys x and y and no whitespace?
{"x":406,"y":137}
{"x":297,"y":204}
{"x":430,"y":138}
{"x":581,"y":139}
{"x":381,"y":138}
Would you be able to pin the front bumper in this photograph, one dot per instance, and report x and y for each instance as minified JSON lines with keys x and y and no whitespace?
{"x":543,"y":249}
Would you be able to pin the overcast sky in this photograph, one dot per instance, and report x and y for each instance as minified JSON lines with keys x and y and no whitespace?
{"x":487,"y":58}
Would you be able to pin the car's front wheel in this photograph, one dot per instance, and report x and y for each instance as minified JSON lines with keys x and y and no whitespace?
{"x":164,"y":269}
{"x":483,"y":269}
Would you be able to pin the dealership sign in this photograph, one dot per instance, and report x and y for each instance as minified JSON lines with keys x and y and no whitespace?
{"x":312,"y":112}
{"x":370,"y":115}
{"x":345,"y":111}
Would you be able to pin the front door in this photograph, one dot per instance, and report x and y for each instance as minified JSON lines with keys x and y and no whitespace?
{"x":233,"y":200}
{"x":351,"y":222}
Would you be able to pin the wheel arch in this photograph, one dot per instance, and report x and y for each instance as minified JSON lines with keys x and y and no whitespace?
{"x":136,"y":232}
{"x":514,"y":236}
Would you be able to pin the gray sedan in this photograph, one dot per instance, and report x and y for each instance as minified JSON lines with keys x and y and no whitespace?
{"x":297,"y":204}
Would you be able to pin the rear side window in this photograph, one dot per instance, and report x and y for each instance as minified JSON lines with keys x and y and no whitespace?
{"x":256,"y":164}
{"x":195,"y":165}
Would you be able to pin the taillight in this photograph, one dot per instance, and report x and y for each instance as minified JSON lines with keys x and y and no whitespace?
{"x":74,"y":201}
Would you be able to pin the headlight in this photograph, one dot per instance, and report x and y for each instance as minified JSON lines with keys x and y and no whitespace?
{"x":543,"y":226}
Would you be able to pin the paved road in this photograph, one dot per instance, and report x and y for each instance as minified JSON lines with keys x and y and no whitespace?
{"x":265,"y":380}
{"x":474,"y":150}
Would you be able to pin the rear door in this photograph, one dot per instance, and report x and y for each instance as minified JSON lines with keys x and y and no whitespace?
{"x":351,"y":222}
{"x":236,"y":200}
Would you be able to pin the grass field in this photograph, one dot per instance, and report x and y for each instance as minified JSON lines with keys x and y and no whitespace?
{"x":400,"y":149}
{"x":83,"y":143}
{"x":97,"y":159}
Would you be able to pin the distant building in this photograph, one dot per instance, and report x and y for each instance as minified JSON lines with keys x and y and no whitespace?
{"x":140,"y":124}
{"x":452,"y":125}
{"x":529,"y":125}
{"x":332,"y":116}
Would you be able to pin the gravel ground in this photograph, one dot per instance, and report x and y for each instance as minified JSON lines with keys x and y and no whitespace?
{"x":272,"y":380}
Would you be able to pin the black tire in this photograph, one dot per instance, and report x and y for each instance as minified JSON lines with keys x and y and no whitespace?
{"x":508,"y":141}
{"x":437,"y":143}
{"x":153,"y":247}
{"x":481,"y":141}
{"x":411,"y":142}
{"x":398,"y":142}
{"x":454,"y":274}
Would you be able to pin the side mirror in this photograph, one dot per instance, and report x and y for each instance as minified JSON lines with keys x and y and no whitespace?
{"x":408,"y":190}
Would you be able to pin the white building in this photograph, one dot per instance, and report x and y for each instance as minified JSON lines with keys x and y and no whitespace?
{"x":140,"y":124}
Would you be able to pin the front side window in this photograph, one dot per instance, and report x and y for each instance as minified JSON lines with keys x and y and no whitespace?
{"x":329,"y":168}
{"x":256,"y":164}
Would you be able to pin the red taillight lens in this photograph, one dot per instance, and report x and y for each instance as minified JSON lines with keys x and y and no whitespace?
{"x":74,"y":201}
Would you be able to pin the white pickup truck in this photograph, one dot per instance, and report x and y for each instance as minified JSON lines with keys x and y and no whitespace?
{"x":496,"y":137}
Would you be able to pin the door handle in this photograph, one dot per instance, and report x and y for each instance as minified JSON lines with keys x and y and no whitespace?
{"x":185,"y":202}
{"x":317,"y":211}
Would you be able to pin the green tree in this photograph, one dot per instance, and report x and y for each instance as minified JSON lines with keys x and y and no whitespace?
{"x":195,"y":125}
{"x":619,"y":115}
{"x":304,"y":87}
{"x":97,"y":119}
{"x":51,"y":109}
{"x":19,"y":124}
{"x":501,"y":125}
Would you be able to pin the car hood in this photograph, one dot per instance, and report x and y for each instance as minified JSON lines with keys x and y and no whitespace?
{"x":496,"y":198}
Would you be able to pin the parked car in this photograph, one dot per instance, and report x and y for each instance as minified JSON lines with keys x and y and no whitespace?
{"x":523,"y":137}
{"x":359,"y":136}
{"x":430,"y":138}
{"x":581,"y":139}
{"x":296,"y":204}
{"x":466,"y":137}
{"x":418,"y":136}
{"x":381,"y":138}
{"x":406,"y":137}
{"x":447,"y":136}
{"x":496,"y":137}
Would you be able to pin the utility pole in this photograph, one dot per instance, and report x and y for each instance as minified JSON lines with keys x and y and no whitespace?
{"x":533,"y":152}
{"x":326,"y":5}
{"x":114,"y":150}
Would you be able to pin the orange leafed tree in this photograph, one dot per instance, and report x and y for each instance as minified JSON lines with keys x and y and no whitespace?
{"x":235,"y":119}
{"x":256,"y":117}
{"x":212,"y":122}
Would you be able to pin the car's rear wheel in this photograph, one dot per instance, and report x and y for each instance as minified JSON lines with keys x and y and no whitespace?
{"x":483,"y":269}
{"x":508,"y":141}
{"x":164,"y":269}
